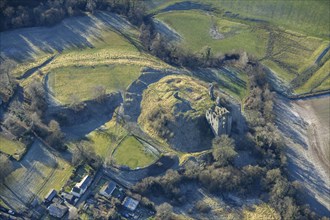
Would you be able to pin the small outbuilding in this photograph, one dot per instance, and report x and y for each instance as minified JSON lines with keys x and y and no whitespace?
{"x":130,"y":203}
{"x":57,"y":210}
{"x":50,"y":196}
{"x":108,"y":189}
{"x":69,"y":198}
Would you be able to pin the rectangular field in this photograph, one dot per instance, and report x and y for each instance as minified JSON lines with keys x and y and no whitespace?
{"x":37,"y":173}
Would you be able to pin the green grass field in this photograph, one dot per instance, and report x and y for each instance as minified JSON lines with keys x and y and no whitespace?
{"x":14,"y":148}
{"x":318,"y":82}
{"x":81,"y":82}
{"x":303,"y":16}
{"x":295,"y":51}
{"x":194,"y":27}
{"x":37,"y":173}
{"x":280,"y":72}
{"x":105,"y":140}
{"x":132,"y":153}
{"x":114,"y":63}
{"x":287,"y":46}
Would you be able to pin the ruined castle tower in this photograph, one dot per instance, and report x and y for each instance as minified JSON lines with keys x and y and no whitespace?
{"x":219,"y":119}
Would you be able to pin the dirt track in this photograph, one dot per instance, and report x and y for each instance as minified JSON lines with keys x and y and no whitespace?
{"x":305,"y":125}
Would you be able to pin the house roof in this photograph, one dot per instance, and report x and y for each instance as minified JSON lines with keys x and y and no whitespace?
{"x":57,"y":209}
{"x":76,"y":189}
{"x":69,"y":197}
{"x":130,"y":203}
{"x":109,"y":188}
{"x":84,"y":183}
{"x":51,"y":194}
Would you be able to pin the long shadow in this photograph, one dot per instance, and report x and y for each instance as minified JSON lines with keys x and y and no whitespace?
{"x":293,"y":126}
{"x":73,"y":32}
{"x":282,"y":110}
{"x":76,"y":124}
{"x":306,"y":175}
{"x":213,"y":76}
{"x":186,"y":5}
{"x":34,"y":69}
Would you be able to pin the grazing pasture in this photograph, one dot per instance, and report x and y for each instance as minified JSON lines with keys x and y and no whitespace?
{"x":288,"y":54}
{"x":194,"y":27}
{"x":309,"y":17}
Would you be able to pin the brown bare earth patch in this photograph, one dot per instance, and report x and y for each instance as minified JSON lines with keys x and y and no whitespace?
{"x":305,"y":127}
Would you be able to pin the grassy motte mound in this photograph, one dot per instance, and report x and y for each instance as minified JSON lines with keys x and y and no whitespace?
{"x":173,"y":112}
{"x":132,"y":153}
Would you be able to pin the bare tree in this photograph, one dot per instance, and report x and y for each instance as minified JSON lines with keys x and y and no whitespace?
{"x":55,"y":138}
{"x":75,"y":103}
{"x":7,"y":82}
{"x":99,"y":93}
{"x":164,"y":212}
{"x":223,"y":150}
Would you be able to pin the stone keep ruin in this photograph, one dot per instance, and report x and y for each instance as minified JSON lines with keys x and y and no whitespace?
{"x":220,"y":120}
{"x":218,"y":117}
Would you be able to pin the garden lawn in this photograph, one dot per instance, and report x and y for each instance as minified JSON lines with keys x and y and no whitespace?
{"x":14,"y":148}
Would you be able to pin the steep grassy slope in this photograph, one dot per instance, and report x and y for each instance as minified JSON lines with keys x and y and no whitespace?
{"x":261,"y":211}
{"x":319,"y":80}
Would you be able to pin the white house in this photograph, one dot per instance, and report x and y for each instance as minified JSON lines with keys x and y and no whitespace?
{"x":81,"y":187}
